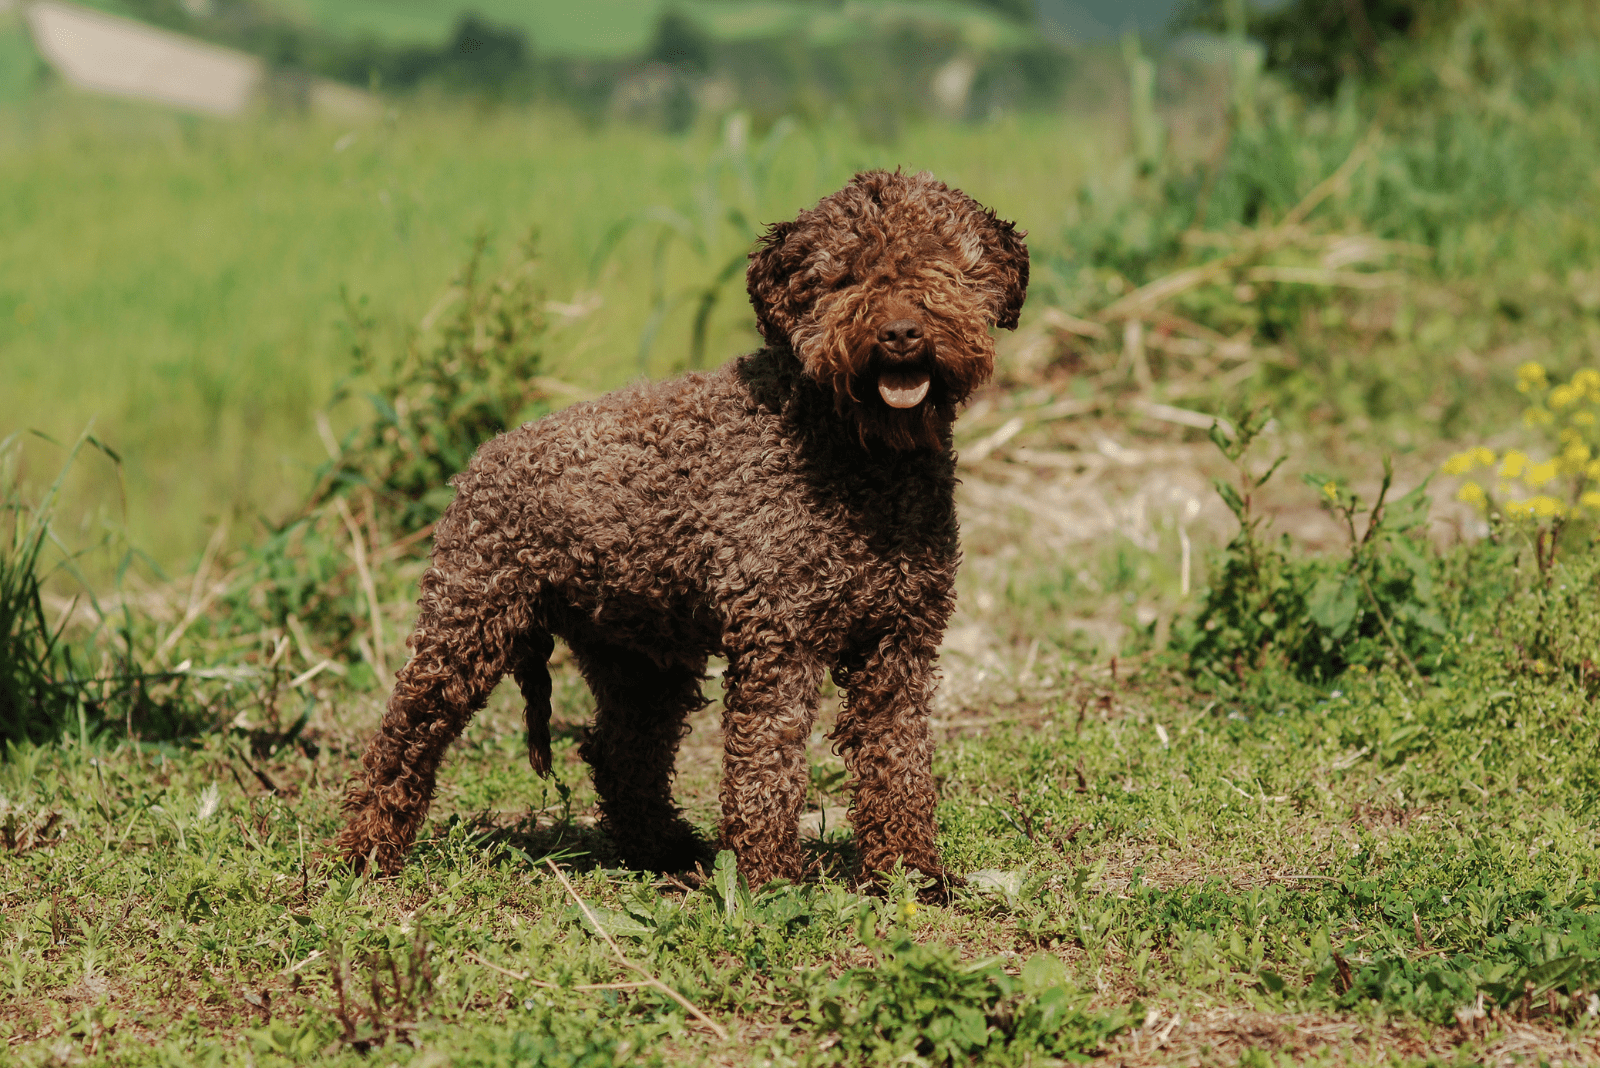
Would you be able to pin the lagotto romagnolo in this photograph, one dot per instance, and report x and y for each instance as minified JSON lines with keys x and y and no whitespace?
{"x":793,"y":512}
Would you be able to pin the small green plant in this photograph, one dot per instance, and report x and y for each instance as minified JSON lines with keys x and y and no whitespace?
{"x":59,"y":677}
{"x":920,"y":1003}
{"x":1385,"y":594}
{"x":32,"y":703}
{"x":468,"y":372}
{"x":1259,"y":593}
{"x":1316,"y":617}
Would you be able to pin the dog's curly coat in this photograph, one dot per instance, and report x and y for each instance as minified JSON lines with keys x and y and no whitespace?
{"x":793,"y":512}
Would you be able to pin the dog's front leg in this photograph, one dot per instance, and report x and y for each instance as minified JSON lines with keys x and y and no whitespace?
{"x":772,"y":697}
{"x":882,"y":733}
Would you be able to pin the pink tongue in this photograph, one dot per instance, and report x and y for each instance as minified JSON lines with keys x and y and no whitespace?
{"x":903,"y":389}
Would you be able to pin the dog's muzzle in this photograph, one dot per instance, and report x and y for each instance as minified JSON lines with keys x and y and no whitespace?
{"x":903,"y":374}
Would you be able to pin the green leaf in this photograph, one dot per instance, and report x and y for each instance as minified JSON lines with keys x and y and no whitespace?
{"x":1420,"y":567}
{"x":1230,"y":497}
{"x":616,"y":924}
{"x":1333,"y":603}
{"x":1408,"y":512}
{"x":1553,"y":973}
{"x":725,"y":883}
{"x":1262,"y":480}
{"x":1043,"y":972}
{"x":1315,"y":479}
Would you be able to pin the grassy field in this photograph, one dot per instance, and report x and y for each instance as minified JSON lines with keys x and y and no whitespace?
{"x":1377,"y":872}
{"x":1243,"y":764}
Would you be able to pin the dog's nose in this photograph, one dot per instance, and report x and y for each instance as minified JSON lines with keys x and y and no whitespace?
{"x":902,"y":335}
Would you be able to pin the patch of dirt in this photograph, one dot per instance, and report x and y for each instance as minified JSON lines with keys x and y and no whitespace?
{"x":1221,"y":1036}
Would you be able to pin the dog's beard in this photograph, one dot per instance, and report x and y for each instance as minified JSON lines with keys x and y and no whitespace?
{"x":905,"y":403}
{"x":904,"y":396}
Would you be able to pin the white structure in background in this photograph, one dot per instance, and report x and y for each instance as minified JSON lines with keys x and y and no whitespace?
{"x":112,"y":55}
{"x":106,"y":54}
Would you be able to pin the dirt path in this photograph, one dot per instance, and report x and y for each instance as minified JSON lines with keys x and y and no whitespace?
{"x":102,"y":53}
{"x":106,"y":54}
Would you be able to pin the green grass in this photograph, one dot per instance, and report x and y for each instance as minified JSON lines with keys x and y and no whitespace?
{"x":178,"y":279}
{"x":1366,"y":858}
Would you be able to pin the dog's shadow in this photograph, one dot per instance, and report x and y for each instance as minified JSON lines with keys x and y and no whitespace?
{"x":581,"y":846}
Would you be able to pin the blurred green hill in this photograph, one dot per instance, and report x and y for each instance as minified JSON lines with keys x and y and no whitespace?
{"x":601,"y":29}
{"x":660,"y":60}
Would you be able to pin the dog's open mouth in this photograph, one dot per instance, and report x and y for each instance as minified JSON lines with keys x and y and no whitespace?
{"x":904,"y":389}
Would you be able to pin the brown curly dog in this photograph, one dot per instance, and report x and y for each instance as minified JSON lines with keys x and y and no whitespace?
{"x":793,"y":512}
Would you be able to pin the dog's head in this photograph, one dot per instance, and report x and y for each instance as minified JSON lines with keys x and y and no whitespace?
{"x":885,"y":291}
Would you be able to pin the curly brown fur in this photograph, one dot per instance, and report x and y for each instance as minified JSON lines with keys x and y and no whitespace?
{"x":793,"y":512}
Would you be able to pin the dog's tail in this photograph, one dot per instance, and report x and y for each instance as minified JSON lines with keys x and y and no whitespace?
{"x":530,"y":663}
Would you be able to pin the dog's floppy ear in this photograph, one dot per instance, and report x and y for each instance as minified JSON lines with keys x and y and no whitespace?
{"x":767,"y":280}
{"x":1008,"y":257}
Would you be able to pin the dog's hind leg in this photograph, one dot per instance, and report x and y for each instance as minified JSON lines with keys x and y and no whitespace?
{"x":640,"y":714}
{"x":459,"y":651}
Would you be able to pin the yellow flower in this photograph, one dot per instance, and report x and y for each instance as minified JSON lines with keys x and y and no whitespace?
{"x":1592,"y":469}
{"x":1515,"y":462}
{"x":1539,"y":474}
{"x":1330,"y":490}
{"x":1540,"y":507}
{"x":1574,"y":458}
{"x":908,"y":909}
{"x":1590,"y":500}
{"x":1537,"y":416}
{"x":1583,"y":419}
{"x":1530,"y":377}
{"x":1588,"y":381}
{"x":1564,"y":397}
{"x":1569,"y":435}
{"x":1462,"y":462}
{"x":1473,"y":494}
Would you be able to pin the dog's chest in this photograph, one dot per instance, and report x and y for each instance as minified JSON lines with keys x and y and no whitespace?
{"x":833,"y":547}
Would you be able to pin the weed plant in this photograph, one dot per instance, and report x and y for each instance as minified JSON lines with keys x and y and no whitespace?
{"x":1316,"y":618}
{"x":52,"y":680}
